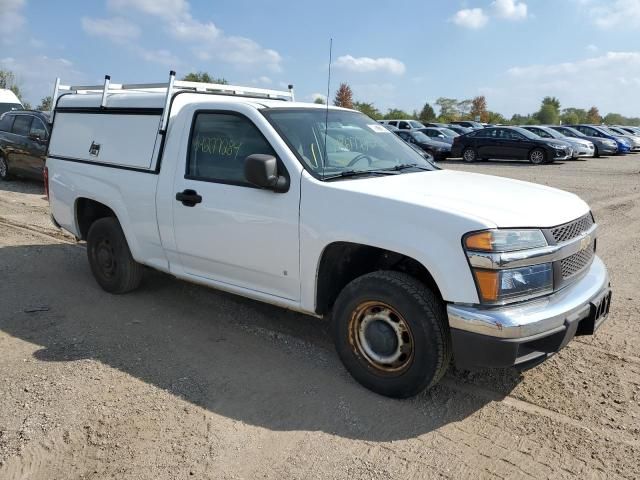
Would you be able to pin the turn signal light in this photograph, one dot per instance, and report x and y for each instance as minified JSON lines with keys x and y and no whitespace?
{"x":488,"y":282}
{"x":480,"y":241}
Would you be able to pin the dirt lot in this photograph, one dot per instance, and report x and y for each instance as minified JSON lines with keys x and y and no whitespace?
{"x":177,"y":381}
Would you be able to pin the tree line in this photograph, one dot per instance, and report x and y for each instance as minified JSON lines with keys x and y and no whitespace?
{"x":452,"y":109}
{"x":449,"y":109}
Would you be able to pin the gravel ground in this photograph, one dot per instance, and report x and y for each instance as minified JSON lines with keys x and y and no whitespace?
{"x":177,"y":381}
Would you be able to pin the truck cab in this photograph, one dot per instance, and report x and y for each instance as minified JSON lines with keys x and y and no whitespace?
{"x":323,"y":211}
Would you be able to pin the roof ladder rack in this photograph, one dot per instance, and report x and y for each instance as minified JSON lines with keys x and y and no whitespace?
{"x":170,"y":87}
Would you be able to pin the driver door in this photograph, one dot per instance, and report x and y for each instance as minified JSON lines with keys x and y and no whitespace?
{"x":232,"y":232}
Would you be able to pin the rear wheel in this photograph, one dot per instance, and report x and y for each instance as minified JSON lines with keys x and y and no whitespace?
{"x":537,"y":156}
{"x":110,"y":259}
{"x":469,"y":155}
{"x":4,"y":169}
{"x":391,"y":333}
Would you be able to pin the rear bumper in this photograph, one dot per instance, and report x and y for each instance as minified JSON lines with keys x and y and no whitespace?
{"x":528,"y":333}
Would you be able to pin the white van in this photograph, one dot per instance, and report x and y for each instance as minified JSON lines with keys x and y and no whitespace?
{"x":9,"y":101}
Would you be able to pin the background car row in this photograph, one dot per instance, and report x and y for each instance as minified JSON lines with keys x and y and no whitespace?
{"x":536,"y":143}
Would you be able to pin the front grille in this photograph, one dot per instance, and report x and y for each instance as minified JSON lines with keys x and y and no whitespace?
{"x":577,"y":262}
{"x":571,"y":230}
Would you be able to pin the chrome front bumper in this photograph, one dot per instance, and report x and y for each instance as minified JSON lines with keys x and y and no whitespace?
{"x":526,"y":334}
{"x":539,"y":316}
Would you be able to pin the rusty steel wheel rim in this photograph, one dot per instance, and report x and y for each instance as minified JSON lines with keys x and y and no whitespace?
{"x":380,"y":335}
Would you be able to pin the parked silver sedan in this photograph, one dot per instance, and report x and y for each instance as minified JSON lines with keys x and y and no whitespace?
{"x":581,"y":148}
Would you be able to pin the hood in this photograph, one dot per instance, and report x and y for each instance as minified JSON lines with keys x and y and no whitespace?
{"x":493,"y":201}
{"x":580,"y":141}
{"x":437,"y":144}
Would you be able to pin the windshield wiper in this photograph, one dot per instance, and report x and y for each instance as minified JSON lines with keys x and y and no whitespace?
{"x":404,"y":166}
{"x":356,"y":173}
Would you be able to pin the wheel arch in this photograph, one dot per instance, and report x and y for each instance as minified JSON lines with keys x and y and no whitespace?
{"x":341,"y":262}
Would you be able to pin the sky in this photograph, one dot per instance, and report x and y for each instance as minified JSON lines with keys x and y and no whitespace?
{"x":397,"y":54}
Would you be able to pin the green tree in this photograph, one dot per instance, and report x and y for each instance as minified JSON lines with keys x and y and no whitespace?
{"x":573,"y":115}
{"x":479,"y":109}
{"x":204,"y":77}
{"x":8,"y":82}
{"x":368,"y":109}
{"x":495,"y":118}
{"x":319,"y":101}
{"x":448,"y":109}
{"x":615,"y":119}
{"x":45,"y":104}
{"x":396,"y":114}
{"x":548,"y":115}
{"x":593,"y":116}
{"x":518,"y":119}
{"x":464,"y":109}
{"x":553,"y":101}
{"x":427,"y":114}
{"x":344,"y":96}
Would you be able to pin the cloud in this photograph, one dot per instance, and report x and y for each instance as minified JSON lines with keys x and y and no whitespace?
{"x":36,"y":75}
{"x":522,"y":87}
{"x":510,"y":9}
{"x":367,"y":64}
{"x":615,"y":14}
{"x":11,"y":18}
{"x":115,"y":29}
{"x":472,"y":18}
{"x":262,"y":80}
{"x":207,"y":41}
{"x":592,"y":48}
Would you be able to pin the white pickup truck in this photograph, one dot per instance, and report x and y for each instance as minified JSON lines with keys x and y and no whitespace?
{"x":324,"y":211}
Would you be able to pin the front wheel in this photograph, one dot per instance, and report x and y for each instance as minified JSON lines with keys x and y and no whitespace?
{"x":4,"y":169}
{"x":391,"y":333}
{"x":110,"y":259}
{"x":537,"y":156}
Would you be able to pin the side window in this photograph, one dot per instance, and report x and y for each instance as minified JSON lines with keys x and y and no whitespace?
{"x":404,"y":125}
{"x":22,"y":125}
{"x":394,"y":123}
{"x":38,"y":129}
{"x":6,"y":122}
{"x":219,"y":144}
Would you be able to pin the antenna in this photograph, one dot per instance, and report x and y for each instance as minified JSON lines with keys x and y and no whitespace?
{"x":326,"y":115}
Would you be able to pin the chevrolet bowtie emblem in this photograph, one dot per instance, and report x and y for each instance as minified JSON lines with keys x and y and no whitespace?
{"x":585,"y":242}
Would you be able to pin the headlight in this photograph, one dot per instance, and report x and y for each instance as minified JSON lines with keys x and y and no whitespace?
{"x":500,"y":286}
{"x":504,"y":286}
{"x":505,"y":240}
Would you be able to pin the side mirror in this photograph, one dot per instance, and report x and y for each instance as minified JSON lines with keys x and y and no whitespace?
{"x":440,"y":135}
{"x":262,"y":171}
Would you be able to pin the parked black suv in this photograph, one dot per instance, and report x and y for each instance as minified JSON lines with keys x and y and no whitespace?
{"x":23,"y":143}
{"x":509,"y":143}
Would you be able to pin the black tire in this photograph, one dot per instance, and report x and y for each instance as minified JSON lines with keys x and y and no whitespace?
{"x":469,"y":155}
{"x":420,"y":314}
{"x":596,"y":152}
{"x":538,"y":156}
{"x":4,"y":169}
{"x":110,"y":259}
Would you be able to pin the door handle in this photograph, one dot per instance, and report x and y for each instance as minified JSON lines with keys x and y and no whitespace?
{"x":189,"y":198}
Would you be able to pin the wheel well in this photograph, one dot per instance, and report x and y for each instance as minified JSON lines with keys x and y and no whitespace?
{"x":87,"y":212}
{"x":343,"y":262}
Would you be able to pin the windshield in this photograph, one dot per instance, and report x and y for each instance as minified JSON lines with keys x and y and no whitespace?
{"x":420,"y":137}
{"x":7,"y":107}
{"x":525,"y":132}
{"x":354,"y":142}
{"x":449,"y":133}
{"x":550,"y":132}
{"x":416,"y":124}
{"x":571,"y":132}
